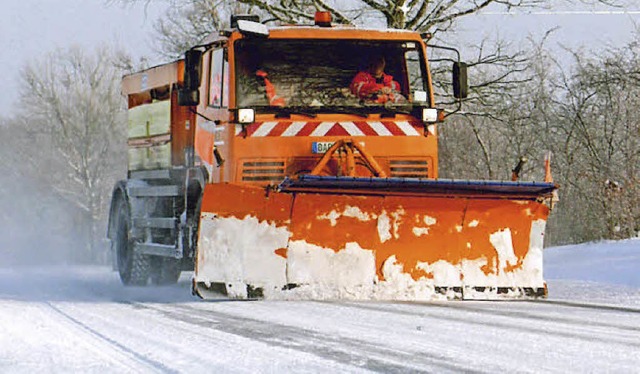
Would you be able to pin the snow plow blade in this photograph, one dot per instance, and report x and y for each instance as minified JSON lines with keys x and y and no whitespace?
{"x":318,"y":237}
{"x":418,"y":187}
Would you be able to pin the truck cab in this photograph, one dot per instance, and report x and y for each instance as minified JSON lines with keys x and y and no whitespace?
{"x":270,"y":103}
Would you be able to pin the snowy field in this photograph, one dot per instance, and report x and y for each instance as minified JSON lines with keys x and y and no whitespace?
{"x":604,"y":272}
{"x":80,"y":319}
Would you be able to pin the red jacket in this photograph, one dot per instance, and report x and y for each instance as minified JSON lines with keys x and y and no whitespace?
{"x":364,"y":84}
{"x":272,"y":96}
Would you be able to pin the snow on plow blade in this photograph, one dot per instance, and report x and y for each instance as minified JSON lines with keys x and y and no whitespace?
{"x":373,"y":238}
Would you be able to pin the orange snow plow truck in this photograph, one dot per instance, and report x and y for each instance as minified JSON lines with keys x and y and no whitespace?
{"x":283,"y":163}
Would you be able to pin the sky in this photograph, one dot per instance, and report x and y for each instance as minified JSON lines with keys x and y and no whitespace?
{"x":592,"y":29}
{"x":31,"y":28}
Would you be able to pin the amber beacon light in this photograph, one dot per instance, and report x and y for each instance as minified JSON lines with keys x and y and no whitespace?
{"x":323,"y":19}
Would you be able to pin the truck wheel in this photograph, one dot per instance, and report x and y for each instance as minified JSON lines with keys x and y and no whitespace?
{"x":165,"y":271}
{"x":132,"y":267}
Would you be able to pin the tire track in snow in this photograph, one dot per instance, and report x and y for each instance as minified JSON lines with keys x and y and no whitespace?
{"x":358,"y":353}
{"x":213,"y":336}
{"x":122,"y":349}
{"x":532,"y":315}
{"x":586,"y":335}
{"x":574,"y":304}
{"x":171,"y":348}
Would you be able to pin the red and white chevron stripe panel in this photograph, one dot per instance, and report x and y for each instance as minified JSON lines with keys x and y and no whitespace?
{"x":346,"y":128}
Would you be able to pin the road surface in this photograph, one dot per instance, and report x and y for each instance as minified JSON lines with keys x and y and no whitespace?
{"x":80,"y":319}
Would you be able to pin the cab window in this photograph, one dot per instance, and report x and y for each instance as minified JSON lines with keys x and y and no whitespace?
{"x":218,"y":84}
{"x":319,"y":74}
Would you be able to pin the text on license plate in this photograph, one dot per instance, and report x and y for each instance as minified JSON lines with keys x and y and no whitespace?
{"x":321,"y":147}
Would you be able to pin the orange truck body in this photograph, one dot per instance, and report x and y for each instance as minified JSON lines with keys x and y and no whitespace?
{"x":371,"y":220}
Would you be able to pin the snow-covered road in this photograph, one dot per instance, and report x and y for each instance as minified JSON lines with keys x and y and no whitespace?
{"x":81,"y":319}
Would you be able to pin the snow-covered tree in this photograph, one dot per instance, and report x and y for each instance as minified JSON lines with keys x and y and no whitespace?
{"x":72,"y":108}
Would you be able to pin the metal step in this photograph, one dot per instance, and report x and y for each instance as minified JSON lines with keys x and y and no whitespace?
{"x":155,"y":222}
{"x":164,"y":250}
{"x":155,"y":191}
{"x":151,"y":174}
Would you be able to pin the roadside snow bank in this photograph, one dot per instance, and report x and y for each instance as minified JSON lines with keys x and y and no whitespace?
{"x":615,"y":262}
{"x":599,"y":272}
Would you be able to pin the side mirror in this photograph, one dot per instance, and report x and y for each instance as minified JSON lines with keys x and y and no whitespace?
{"x":189,"y":94}
{"x":460,"y":83}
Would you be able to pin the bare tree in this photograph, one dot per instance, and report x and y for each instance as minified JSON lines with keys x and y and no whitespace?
{"x":36,"y":226}
{"x":492,"y":131}
{"x":187,"y":25}
{"x":431,"y":15}
{"x":71,"y":102}
{"x":187,"y":22}
{"x":598,"y":126}
{"x":584,"y":114}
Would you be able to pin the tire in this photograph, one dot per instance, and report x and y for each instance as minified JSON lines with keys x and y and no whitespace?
{"x":133,"y":267}
{"x":165,"y":271}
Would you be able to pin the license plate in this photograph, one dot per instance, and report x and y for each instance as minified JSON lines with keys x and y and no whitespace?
{"x":321,"y":147}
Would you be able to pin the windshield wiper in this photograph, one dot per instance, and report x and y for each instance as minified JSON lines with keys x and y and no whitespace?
{"x":284,"y":112}
{"x":360,"y":112}
{"x":389,"y":109}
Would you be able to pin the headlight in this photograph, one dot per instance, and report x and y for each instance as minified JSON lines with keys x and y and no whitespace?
{"x":246,"y":116}
{"x":430,"y":115}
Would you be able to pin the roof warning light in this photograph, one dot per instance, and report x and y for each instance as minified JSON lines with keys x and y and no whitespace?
{"x":323,"y":19}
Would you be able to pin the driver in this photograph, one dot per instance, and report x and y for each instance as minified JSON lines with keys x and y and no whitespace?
{"x":374,"y":85}
{"x":254,"y":86}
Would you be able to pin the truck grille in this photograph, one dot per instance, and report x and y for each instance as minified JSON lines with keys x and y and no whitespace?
{"x":263,"y":171}
{"x":409,"y":168}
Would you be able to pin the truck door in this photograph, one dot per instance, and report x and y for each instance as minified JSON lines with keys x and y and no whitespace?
{"x":212,"y":136}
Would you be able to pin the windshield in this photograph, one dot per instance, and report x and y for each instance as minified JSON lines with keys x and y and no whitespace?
{"x":317,"y":75}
